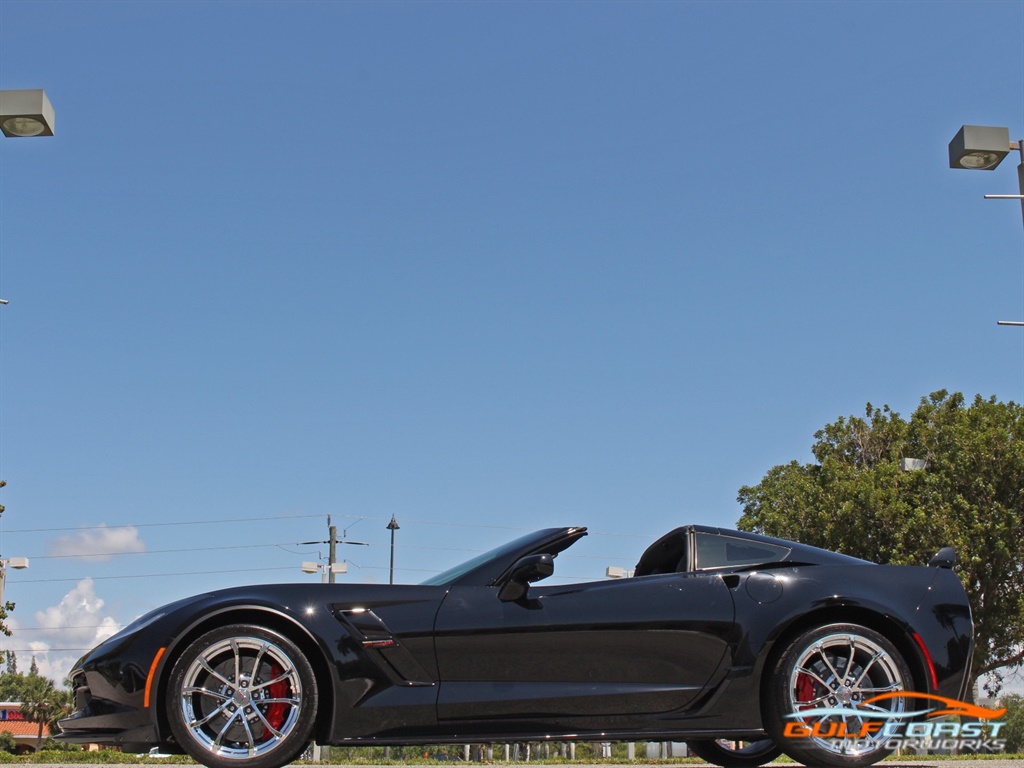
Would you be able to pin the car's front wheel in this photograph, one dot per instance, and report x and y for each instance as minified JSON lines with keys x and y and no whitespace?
{"x":831,"y":694}
{"x":729,"y":754}
{"x":242,"y":696}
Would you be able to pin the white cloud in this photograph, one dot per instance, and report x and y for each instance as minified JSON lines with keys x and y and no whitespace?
{"x":98,"y":543}
{"x":62,"y":631}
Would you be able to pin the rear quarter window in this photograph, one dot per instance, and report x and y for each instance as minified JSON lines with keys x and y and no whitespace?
{"x":716,"y":551}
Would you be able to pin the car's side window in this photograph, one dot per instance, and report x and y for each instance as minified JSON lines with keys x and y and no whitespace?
{"x":717,"y":551}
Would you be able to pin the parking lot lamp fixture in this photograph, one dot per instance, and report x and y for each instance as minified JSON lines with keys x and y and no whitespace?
{"x":26,"y":113}
{"x":982,"y":148}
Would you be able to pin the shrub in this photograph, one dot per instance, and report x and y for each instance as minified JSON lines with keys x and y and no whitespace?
{"x":1013,"y":731}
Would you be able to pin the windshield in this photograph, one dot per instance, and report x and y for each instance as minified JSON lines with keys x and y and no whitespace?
{"x":452,"y":574}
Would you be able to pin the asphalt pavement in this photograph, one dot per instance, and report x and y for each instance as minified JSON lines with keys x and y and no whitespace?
{"x":902,"y":763}
{"x":922,"y":763}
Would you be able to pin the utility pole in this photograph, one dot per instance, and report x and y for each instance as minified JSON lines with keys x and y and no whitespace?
{"x":13,"y":562}
{"x":332,"y":557}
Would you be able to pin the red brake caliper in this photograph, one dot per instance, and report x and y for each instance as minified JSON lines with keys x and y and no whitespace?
{"x":275,"y":713}
{"x":804,"y":689}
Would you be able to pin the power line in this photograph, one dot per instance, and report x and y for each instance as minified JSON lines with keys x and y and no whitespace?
{"x":69,"y":626}
{"x":88,"y":555}
{"x":158,"y":575}
{"x":254,"y":570}
{"x":160,"y":525}
{"x":84,"y":555}
{"x":279,"y":545}
{"x":442,"y":523}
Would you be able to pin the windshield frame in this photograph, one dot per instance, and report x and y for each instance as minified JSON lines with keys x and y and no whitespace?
{"x":486,"y":568}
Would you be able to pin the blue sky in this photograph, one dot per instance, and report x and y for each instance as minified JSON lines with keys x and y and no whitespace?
{"x":486,"y":267}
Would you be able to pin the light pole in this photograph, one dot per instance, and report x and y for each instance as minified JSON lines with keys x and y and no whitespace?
{"x":392,"y":526}
{"x":982,"y":148}
{"x":26,"y":113}
{"x":22,"y":114}
{"x":17,"y":563}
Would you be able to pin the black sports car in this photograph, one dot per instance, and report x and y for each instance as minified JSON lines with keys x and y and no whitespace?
{"x":719,"y":638}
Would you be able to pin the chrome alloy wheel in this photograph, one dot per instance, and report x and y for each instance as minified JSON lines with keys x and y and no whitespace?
{"x":241,"y":697}
{"x":842,"y":671}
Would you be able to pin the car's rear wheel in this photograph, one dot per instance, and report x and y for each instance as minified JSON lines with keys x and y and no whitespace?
{"x":242,"y":696}
{"x":730,"y":754}
{"x":825,"y":687}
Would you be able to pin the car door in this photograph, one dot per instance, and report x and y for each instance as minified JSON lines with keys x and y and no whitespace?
{"x":616,"y":647}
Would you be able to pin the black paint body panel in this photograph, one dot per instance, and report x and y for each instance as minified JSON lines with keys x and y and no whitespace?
{"x":672,"y":654}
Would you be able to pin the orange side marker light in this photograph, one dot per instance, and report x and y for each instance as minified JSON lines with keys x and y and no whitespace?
{"x":151,"y":675}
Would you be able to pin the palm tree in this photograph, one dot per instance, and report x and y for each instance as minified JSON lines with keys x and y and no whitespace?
{"x":63,"y":706}
{"x":40,"y":700}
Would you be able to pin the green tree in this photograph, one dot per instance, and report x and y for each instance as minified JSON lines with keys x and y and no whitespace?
{"x":63,"y":706}
{"x":12,"y":686}
{"x":857,"y":499}
{"x":6,"y":610}
{"x":8,"y":743}
{"x":1013,"y":731}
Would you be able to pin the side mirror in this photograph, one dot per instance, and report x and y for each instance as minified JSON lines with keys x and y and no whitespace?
{"x":944,"y":558}
{"x":526,"y":571}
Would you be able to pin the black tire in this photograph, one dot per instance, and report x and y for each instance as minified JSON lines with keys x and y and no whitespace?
{"x":242,"y":696}
{"x":750,"y":754}
{"x":835,"y":666}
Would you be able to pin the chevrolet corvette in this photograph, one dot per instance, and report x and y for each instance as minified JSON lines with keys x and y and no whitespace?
{"x":719,"y":638}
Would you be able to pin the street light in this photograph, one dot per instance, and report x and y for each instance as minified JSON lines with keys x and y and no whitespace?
{"x":22,"y":113}
{"x":982,"y":148}
{"x":17,"y":563}
{"x":979,"y":147}
{"x":392,"y":526}
{"x":26,"y":113}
